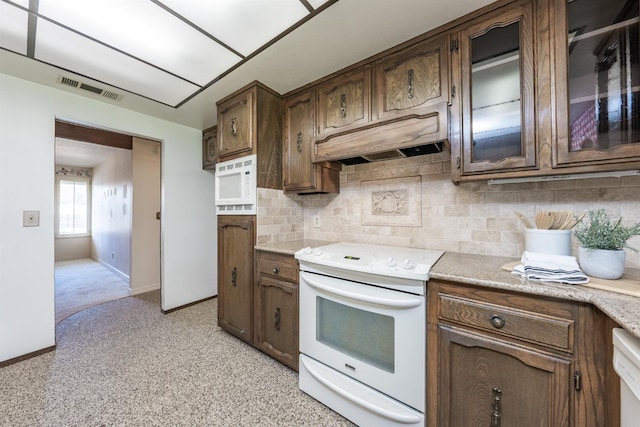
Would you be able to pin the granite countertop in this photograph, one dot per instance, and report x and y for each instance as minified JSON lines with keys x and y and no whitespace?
{"x":485,"y":270}
{"x":291,"y":247}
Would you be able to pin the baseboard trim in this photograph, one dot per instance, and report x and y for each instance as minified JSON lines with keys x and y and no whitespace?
{"x":26,"y":356}
{"x":123,"y":276}
{"x":144,"y":290}
{"x":171,"y":310}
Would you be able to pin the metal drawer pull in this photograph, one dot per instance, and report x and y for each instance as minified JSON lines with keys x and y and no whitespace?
{"x":234,"y":127}
{"x":343,"y":105}
{"x":410,"y":83}
{"x":497,"y":321}
{"x":234,"y":277}
{"x":496,"y":407}
{"x":276,"y":319}
{"x":276,"y":270}
{"x":299,"y":142}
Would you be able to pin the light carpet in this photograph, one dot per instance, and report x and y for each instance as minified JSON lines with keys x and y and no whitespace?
{"x":124,"y":363}
{"x":84,"y":283}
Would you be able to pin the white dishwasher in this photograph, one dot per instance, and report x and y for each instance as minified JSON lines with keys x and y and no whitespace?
{"x":626,"y":362}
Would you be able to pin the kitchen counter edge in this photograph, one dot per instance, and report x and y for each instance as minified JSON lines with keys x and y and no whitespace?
{"x":485,"y":270}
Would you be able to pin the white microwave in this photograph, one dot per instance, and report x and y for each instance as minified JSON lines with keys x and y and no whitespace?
{"x":236,"y":186}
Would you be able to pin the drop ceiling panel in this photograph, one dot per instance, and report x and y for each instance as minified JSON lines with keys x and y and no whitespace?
{"x":244,"y":25}
{"x":70,"y":51}
{"x":345,"y":32}
{"x":145,"y":31}
{"x":13,"y":28}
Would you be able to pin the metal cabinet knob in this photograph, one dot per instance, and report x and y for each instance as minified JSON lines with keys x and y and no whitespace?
{"x":276,"y":270}
{"x":497,"y":321}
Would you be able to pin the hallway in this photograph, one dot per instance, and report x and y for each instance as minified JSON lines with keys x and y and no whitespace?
{"x":84,"y":283}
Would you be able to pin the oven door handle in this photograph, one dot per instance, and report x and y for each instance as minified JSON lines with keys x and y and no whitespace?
{"x":392,"y":300}
{"x":393,"y":416}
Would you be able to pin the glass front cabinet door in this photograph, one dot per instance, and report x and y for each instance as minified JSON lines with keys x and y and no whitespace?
{"x":497,"y":123}
{"x":597,"y":66}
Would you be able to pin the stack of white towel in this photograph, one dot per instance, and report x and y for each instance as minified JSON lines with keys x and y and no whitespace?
{"x":550,"y":268}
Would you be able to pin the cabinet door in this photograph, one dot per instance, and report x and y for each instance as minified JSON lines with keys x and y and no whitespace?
{"x":277,"y":324}
{"x":344,"y":103}
{"x":235,"y":274}
{"x":598,"y":81}
{"x":236,"y":124}
{"x":497,"y":95}
{"x":486,"y":382}
{"x":408,"y":82}
{"x":210,"y":148}
{"x":299,"y":172}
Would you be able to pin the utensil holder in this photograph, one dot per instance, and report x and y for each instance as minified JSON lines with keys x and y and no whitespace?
{"x":552,"y":242}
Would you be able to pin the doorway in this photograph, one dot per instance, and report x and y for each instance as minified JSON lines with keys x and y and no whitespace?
{"x":117,"y":254}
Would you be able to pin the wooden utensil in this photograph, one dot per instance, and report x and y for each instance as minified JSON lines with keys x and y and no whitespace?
{"x":561,"y":219}
{"x":567,"y":221}
{"x":523,"y":219}
{"x":558,"y":219}
{"x":544,"y":220}
{"x":571,"y":222}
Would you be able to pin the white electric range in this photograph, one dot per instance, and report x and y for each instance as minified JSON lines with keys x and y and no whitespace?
{"x":363,"y":330}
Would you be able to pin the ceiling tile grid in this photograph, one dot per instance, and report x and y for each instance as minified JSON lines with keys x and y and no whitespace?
{"x":164,"y":50}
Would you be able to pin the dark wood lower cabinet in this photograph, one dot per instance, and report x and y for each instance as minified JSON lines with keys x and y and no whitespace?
{"x":497,"y":358}
{"x":257,"y":294}
{"x":236,"y":243}
{"x":487,"y":382}
{"x":276,"y":307}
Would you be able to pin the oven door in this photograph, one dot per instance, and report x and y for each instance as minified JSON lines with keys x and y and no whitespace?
{"x":374,"y":335}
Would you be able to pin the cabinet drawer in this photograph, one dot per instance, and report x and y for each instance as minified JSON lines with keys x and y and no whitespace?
{"x":285,"y":267}
{"x":524,"y":325}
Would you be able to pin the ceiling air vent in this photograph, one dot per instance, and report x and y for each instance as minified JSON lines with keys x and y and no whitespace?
{"x":111,"y":95}
{"x":68,"y":82}
{"x":96,"y":90}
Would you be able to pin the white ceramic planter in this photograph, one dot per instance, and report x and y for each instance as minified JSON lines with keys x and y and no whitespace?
{"x":602,"y":263}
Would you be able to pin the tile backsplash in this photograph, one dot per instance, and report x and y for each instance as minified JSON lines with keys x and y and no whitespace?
{"x":378,"y":203}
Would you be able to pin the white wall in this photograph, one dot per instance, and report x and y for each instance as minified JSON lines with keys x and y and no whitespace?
{"x":111,"y":205}
{"x":68,"y":248}
{"x":27,"y":115}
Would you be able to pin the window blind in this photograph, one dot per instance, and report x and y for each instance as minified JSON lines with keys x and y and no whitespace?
{"x":73,"y":207}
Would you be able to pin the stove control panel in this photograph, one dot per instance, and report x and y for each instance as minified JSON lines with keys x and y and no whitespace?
{"x":374,"y":259}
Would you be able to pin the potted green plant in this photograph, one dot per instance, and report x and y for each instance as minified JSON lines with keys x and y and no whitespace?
{"x":602,"y":244}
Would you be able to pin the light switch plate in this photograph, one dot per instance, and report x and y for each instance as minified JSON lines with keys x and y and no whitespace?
{"x":30,"y":218}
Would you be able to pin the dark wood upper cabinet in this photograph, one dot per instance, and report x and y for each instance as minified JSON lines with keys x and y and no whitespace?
{"x":412,"y":80}
{"x":344,"y":103}
{"x":299,"y":113}
{"x":210,"y":148}
{"x":597,"y":72}
{"x":404,"y":107}
{"x":299,"y":173}
{"x":579,"y":92}
{"x":236,"y":124}
{"x":250,"y":122}
{"x":497,"y":121}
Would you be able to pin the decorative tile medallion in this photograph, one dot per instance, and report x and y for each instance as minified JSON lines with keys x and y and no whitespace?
{"x":392,"y":202}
